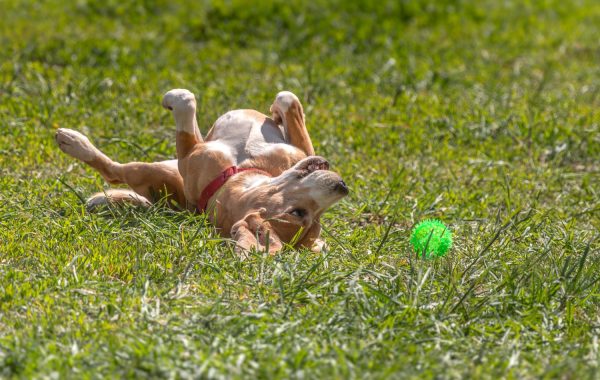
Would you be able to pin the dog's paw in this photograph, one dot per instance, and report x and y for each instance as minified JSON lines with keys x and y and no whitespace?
{"x":284,"y":100}
{"x":75,"y":144}
{"x":319,"y":246}
{"x":179,"y":99}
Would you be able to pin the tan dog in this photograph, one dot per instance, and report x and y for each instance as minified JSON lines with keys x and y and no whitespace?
{"x":255,"y":176}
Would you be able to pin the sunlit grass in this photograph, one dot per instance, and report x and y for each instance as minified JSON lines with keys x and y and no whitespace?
{"x":481,"y":114}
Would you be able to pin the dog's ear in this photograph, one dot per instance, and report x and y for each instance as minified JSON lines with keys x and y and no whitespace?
{"x":299,"y":236}
{"x":254,"y":232}
{"x":311,"y":239}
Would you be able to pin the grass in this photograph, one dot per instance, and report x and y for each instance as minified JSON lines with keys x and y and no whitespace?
{"x":483,"y":114}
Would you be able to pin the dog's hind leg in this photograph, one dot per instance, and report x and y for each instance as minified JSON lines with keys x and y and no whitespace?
{"x":149,"y":180}
{"x":183,"y":105}
{"x":287,"y":110}
{"x":78,"y":146}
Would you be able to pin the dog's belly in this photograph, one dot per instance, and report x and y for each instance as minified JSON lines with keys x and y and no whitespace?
{"x":244,"y":134}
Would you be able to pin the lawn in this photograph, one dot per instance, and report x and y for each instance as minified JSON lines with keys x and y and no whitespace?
{"x":484,"y":114}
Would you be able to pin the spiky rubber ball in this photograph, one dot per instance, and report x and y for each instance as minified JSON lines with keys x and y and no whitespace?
{"x":431,"y":238}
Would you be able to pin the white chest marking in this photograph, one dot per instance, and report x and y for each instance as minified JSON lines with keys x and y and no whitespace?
{"x":253,"y":181}
{"x":286,"y":149}
{"x":216,"y":146}
{"x":171,"y":163}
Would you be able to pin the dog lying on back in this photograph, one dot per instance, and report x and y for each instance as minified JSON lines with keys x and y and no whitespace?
{"x":256,"y":177}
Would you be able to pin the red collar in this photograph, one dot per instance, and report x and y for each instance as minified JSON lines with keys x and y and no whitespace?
{"x":216,"y":184}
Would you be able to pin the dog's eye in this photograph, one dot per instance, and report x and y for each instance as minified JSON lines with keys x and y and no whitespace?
{"x":302,"y":173}
{"x":298,"y":212}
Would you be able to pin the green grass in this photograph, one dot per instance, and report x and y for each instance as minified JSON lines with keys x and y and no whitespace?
{"x":484,"y":114}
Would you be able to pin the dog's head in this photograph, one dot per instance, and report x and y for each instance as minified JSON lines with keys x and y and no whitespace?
{"x":287,"y":208}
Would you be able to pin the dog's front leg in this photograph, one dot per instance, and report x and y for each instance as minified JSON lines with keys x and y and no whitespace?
{"x":183,"y":105}
{"x":253,"y":232}
{"x":287,"y":110}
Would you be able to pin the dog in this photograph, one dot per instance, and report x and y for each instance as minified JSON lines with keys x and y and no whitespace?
{"x":256,"y":177}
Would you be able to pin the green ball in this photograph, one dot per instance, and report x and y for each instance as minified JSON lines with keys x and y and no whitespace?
{"x":431,"y":238}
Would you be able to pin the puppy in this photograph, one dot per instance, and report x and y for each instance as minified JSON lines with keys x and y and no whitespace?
{"x":255,"y":176}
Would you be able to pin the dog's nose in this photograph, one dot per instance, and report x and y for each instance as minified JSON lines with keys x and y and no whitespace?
{"x":341,"y":187}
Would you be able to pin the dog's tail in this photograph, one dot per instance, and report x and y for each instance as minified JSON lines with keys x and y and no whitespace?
{"x":183,"y":105}
{"x":116,"y":197}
